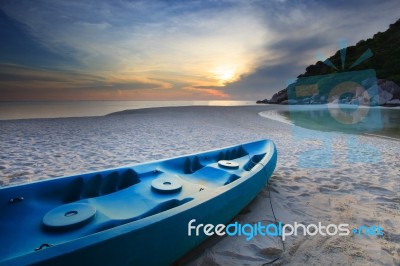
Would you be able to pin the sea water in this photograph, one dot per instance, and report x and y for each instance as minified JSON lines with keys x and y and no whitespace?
{"x":55,"y":109}
{"x":380,"y":121}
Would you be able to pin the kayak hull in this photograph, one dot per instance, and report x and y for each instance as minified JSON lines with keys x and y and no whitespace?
{"x":117,"y":235}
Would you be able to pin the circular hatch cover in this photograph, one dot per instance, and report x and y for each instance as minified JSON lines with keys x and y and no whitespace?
{"x":228,"y":164}
{"x":69,"y":215}
{"x":166,"y":184}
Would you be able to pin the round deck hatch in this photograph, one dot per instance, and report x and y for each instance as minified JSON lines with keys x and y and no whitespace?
{"x":166,"y":184}
{"x":228,"y":164}
{"x":69,"y":215}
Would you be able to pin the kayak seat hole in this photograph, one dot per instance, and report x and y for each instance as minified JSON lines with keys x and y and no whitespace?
{"x":232,"y":154}
{"x":128,"y":178}
{"x":231,"y":179}
{"x":254,"y":160}
{"x":118,"y":180}
{"x":94,"y":185}
{"x":192,"y":165}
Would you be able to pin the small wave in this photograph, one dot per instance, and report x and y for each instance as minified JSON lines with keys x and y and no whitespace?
{"x":275,"y":115}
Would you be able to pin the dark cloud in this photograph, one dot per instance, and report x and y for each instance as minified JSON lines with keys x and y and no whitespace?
{"x":264,"y":82}
{"x":305,"y":28}
{"x":273,"y":75}
{"x":17,"y":46}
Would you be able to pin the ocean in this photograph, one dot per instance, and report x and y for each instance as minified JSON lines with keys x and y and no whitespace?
{"x":57,"y":109}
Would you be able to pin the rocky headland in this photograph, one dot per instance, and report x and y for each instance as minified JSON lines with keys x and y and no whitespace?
{"x":369,"y":76}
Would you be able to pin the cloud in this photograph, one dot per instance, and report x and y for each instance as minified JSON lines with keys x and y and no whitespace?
{"x":183,"y":50}
{"x":147,"y":36}
{"x":23,"y":83}
{"x":207,"y":91}
{"x":304,"y":28}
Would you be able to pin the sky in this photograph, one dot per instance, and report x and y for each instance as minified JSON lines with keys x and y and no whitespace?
{"x":172,"y":50}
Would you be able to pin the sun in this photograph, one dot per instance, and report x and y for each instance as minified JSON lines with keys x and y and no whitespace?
{"x":225,"y":74}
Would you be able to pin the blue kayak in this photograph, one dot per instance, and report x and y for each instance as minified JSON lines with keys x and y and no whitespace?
{"x":132,"y":215}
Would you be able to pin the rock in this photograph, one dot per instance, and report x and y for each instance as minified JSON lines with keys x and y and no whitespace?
{"x":393,"y":102}
{"x":371,"y":92}
{"x":335,"y":101}
{"x":367,"y":83}
{"x":356,"y":101}
{"x":382,"y":97}
{"x":386,"y":95}
{"x":315,"y":97}
{"x":262,"y":101}
{"x":383,"y":92}
{"x":279,"y":97}
{"x":376,"y":100}
{"x":390,"y":87}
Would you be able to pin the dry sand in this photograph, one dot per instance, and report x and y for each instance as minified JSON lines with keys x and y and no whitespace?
{"x":359,"y":188}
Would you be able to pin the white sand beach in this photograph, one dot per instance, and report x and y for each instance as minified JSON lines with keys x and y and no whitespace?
{"x":360,"y":186}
